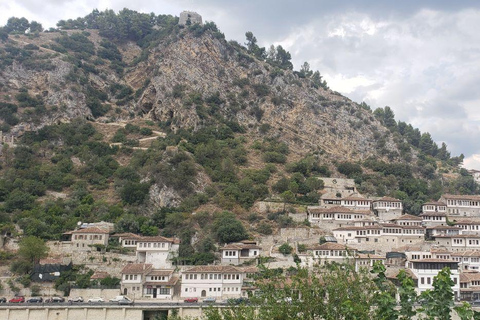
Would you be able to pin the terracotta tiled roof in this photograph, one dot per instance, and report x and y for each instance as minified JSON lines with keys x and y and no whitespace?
{"x":393,"y":225}
{"x":461,"y":197}
{"x":469,"y":276}
{"x":390,"y":199}
{"x":466,"y":253}
{"x":446,"y":228}
{"x":136,"y":268}
{"x":369,"y":256}
{"x":331,"y":246}
{"x":434,"y":260}
{"x":393,"y":273}
{"x":356,"y":198}
{"x":337,"y":209}
{"x":214,"y":269}
{"x":155,"y":239}
{"x":99,"y":275}
{"x":433,"y":214}
{"x":158,"y":272}
{"x":466,"y":221}
{"x":91,"y":230}
{"x":408,"y":217}
{"x":434,"y":203}
{"x":375,"y":227}
{"x":126,"y":235}
{"x":171,"y":282}
{"x":239,"y":246}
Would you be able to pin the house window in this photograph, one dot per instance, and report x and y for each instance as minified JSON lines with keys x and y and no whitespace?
{"x":164,"y":291}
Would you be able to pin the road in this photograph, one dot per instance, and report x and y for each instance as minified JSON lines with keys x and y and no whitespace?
{"x":161,"y":304}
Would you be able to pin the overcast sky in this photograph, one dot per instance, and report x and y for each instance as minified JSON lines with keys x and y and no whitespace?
{"x":421,"y":58}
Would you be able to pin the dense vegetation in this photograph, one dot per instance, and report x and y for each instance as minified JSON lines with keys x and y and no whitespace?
{"x":65,"y":173}
{"x":337,"y":291}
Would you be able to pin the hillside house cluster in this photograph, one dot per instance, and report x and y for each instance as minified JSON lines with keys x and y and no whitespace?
{"x":154,"y":276}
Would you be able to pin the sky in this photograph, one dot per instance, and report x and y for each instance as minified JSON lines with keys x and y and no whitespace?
{"x":420,"y":58}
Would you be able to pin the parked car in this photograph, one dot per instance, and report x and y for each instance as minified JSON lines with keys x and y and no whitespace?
{"x":95,"y":300}
{"x":76,"y":299}
{"x":125,"y":301}
{"x":35,"y":300}
{"x":17,"y":299}
{"x":55,"y":300}
{"x":210,"y":300}
{"x":191,"y":300}
{"x":118,"y":298}
{"x":3,"y":300}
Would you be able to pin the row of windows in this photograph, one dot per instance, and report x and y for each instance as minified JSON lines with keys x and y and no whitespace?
{"x":333,"y":253}
{"x":383,"y":204}
{"x":130,"y":242}
{"x":463,"y":203}
{"x":210,"y":276}
{"x":215,"y":289}
{"x":151,"y":245}
{"x":130,"y":277}
{"x":428,"y":280}
{"x":423,"y":256}
{"x":230,"y":253}
{"x":469,"y":227}
{"x":409,"y":223}
{"x":465,"y":259}
{"x":161,"y":290}
{"x":157,"y":278}
{"x":437,"y":218}
{"x":433,"y":208}
{"x":86,"y":237}
{"x":356,"y":202}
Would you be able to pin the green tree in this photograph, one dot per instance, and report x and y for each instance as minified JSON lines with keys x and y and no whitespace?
{"x":285,"y":249}
{"x":32,"y":249}
{"x":227,"y":228}
{"x":17,"y":25}
{"x":439,"y":301}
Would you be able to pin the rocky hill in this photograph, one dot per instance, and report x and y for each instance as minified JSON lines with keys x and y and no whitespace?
{"x":177,"y":82}
{"x":144,"y":122}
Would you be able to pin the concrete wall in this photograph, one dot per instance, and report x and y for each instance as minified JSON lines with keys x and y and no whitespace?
{"x":78,"y":313}
{"x":94,"y":313}
{"x":90,"y":293}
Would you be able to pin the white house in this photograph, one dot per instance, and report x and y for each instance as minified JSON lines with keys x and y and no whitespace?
{"x":159,"y":251}
{"x":468,"y":225}
{"x":426,"y":269}
{"x":133,"y":278}
{"x":335,"y":217}
{"x":408,"y":220}
{"x":469,"y":285}
{"x":387,"y":208}
{"x":212,"y":281}
{"x":127,"y":240}
{"x":462,"y":205}
{"x":459,"y":242}
{"x":432,"y":219}
{"x":467,"y":260}
{"x":238,"y":253}
{"x":434,"y":206}
{"x":86,"y":239}
{"x":160,"y":284}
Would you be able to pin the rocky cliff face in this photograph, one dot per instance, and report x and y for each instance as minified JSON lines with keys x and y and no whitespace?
{"x":188,"y":81}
